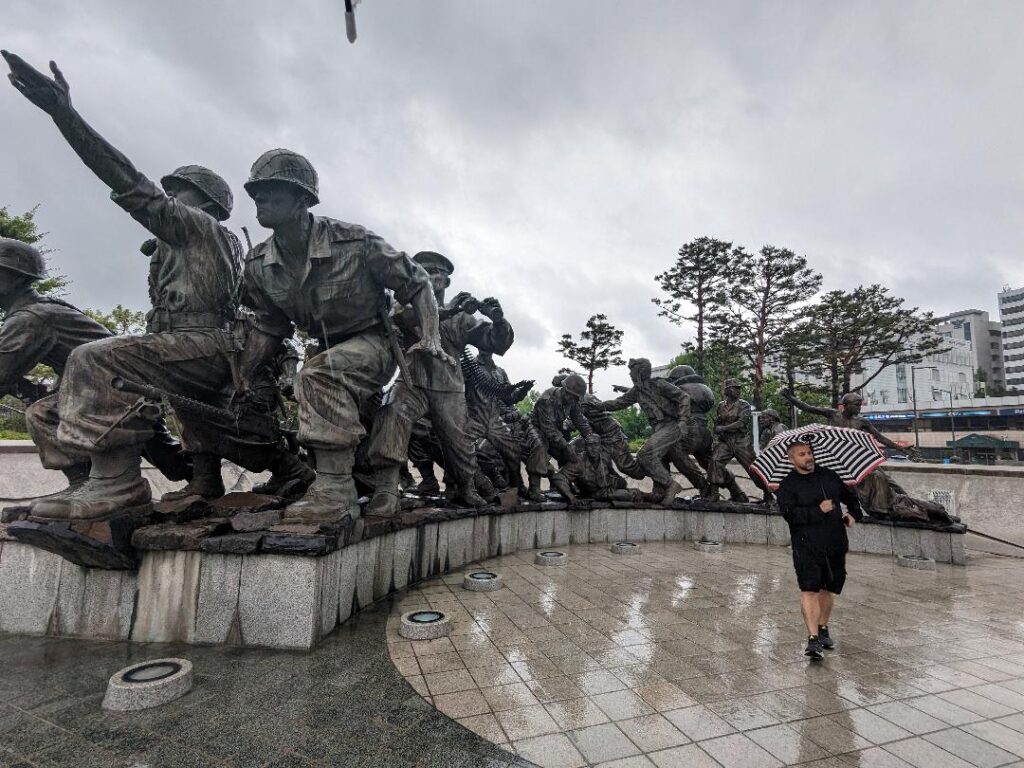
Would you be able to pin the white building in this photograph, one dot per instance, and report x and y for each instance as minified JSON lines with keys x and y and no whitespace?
{"x":1011,"y":313}
{"x":985,"y":338}
{"x":931,"y":382}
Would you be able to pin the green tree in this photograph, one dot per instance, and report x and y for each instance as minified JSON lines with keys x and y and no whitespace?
{"x":23,"y":227}
{"x":120,"y":320}
{"x":846,"y":330}
{"x":695,"y":287}
{"x":766,"y":291}
{"x":599,"y":348}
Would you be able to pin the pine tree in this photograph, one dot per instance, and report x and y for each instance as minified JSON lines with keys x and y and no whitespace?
{"x":599,"y":348}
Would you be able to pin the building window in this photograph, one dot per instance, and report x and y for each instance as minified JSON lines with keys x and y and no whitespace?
{"x":901,"y":394}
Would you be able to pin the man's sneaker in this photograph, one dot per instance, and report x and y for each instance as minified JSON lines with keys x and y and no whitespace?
{"x":813,"y":649}
{"x":825,"y":639}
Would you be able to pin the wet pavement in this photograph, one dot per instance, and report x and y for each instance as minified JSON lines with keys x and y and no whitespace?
{"x":674,"y":657}
{"x":343,"y":704}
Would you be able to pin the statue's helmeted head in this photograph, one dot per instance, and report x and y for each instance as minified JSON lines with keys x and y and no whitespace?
{"x":22,"y":259}
{"x":213,"y":188}
{"x":732,"y":387}
{"x":283,"y":184}
{"x":639,"y":369}
{"x":575,"y":385}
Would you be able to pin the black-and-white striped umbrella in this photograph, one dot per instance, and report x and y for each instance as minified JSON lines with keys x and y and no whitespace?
{"x":851,"y":453}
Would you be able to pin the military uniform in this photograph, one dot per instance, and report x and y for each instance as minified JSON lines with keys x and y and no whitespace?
{"x":436,"y":387}
{"x":486,"y":423}
{"x":613,"y":438}
{"x":553,"y":409}
{"x":594,"y":475}
{"x":665,"y":406}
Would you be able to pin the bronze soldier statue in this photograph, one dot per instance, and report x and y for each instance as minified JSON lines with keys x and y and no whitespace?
{"x":329,"y":279}
{"x":187,"y":347}
{"x":435,"y":387}
{"x":879,"y":494}
{"x":554,"y":408}
{"x":667,"y":408}
{"x":734,"y":430}
{"x":40,"y":329}
{"x":593,"y":475}
{"x":697,"y":442}
{"x":769,"y":425}
{"x":614,"y":442}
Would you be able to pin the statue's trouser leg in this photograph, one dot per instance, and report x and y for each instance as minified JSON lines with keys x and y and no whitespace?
{"x":722,"y":477}
{"x":687,"y":467}
{"x":617,"y":446}
{"x":449,"y":417}
{"x":652,"y":455}
{"x":423,"y":453}
{"x":42,"y":421}
{"x":500,"y":436}
{"x":103,"y":423}
{"x":335,"y":389}
{"x":703,"y":451}
{"x":744,"y":453}
{"x":389,"y":442}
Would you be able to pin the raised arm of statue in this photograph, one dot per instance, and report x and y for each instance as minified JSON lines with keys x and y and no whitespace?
{"x":53,"y":96}
{"x":628,"y":398}
{"x":828,"y":413}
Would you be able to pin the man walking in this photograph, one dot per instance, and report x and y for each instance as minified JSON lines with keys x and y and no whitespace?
{"x":810,"y":499}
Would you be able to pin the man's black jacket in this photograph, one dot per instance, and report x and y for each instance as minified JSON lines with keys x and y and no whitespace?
{"x":799,"y":497}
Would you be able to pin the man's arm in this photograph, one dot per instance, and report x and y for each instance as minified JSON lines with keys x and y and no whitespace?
{"x":795,"y":513}
{"x":579,"y":420}
{"x":496,"y":336}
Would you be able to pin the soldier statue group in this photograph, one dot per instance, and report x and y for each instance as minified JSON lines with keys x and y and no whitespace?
{"x":217,"y":347}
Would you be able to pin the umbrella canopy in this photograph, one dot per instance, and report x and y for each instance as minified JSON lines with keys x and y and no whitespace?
{"x":850,"y":453}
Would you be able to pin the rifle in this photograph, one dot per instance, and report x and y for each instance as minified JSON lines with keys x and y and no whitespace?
{"x":396,"y":347}
{"x":178,"y":402}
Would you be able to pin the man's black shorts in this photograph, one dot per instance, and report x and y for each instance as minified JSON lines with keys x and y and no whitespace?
{"x":817,"y":570}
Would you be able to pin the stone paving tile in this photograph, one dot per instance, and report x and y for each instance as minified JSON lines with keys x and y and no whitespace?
{"x":524,"y":722}
{"x":554,"y":750}
{"x":652,"y":732}
{"x":688,"y":756}
{"x":923,"y":754}
{"x":907,"y":717}
{"x":601,"y":743}
{"x":787,"y":744}
{"x":738,"y":751}
{"x":969,"y":747}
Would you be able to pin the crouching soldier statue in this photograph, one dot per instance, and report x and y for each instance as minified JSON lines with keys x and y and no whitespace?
{"x":187,"y":347}
{"x":329,"y":279}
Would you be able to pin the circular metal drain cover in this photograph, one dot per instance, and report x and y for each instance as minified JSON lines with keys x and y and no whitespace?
{"x":550,"y":557}
{"x":625,"y":548}
{"x":424,"y":625}
{"x":918,"y":562}
{"x":148,"y":684}
{"x":481,"y":581}
{"x":708,"y":546}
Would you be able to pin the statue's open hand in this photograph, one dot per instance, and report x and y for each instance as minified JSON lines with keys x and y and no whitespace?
{"x":50,"y":95}
{"x":491,"y":309}
{"x":433,"y":348}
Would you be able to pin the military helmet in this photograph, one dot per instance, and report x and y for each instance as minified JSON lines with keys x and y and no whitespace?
{"x":771,"y":413}
{"x":575,"y":384}
{"x":681,"y":371}
{"x":558,"y":379}
{"x":851,"y":397}
{"x":206,"y":181}
{"x":433,"y":258}
{"x":287,"y":166}
{"x":22,"y":258}
{"x":732,"y":383}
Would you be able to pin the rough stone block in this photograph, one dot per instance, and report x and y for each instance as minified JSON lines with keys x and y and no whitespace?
{"x":232,"y":544}
{"x":428,"y":550}
{"x":778,"y":530}
{"x":958,"y":548}
{"x":217,"y":609}
{"x":328,"y":578}
{"x":507,"y":527}
{"x":675,"y":524}
{"x":181,"y":510}
{"x":579,"y":527}
{"x":300,"y":544}
{"x":527,"y":530}
{"x":599,"y":526}
{"x":481,"y":538}
{"x":366,"y":552}
{"x":460,"y":542}
{"x":244,"y":522}
{"x":734,"y":528}
{"x":171,"y":536}
{"x":168,"y":596}
{"x":545,"y":528}
{"x":935,"y":545}
{"x":29,"y":581}
{"x":755,"y":528}
{"x":871,"y":538}
{"x":278,"y":605}
{"x":348,"y":559}
{"x":405,"y":556}
{"x":560,"y":528}
{"x":384,"y":571}
{"x":617,"y":525}
{"x":94,"y":603}
{"x":907,"y":541}
{"x":712,"y":526}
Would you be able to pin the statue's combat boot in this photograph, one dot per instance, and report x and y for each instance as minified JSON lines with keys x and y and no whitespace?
{"x":206,"y":479}
{"x":386,"y":501}
{"x":332,"y":495}
{"x":289,"y":476}
{"x":533,"y":492}
{"x":736,"y":493}
{"x":76,"y":474}
{"x":428,"y":486}
{"x":115,"y":486}
{"x":561,"y":485}
{"x":673,"y":490}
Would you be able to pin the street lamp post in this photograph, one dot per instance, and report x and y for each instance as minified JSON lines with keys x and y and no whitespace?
{"x":913,"y":393}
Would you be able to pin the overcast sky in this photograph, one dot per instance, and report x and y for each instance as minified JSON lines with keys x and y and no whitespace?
{"x":559,"y":152}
